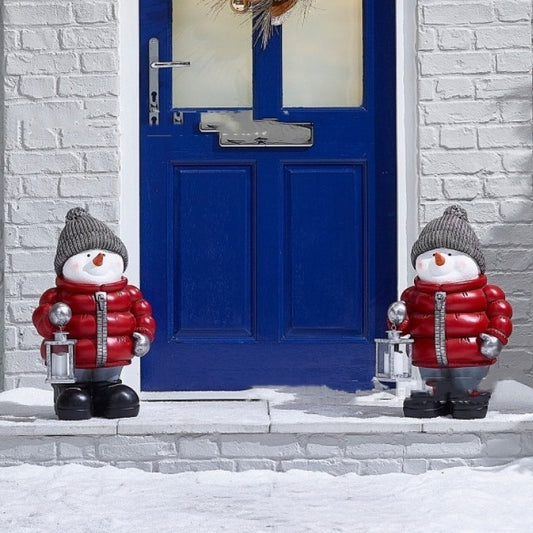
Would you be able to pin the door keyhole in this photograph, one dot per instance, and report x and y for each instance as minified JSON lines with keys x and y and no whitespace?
{"x":154,"y":109}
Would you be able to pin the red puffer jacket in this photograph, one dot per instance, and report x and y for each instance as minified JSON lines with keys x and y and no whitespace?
{"x":119,"y":312}
{"x":445,"y":321}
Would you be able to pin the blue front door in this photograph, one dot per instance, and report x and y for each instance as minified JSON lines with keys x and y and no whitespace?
{"x":268,"y":218}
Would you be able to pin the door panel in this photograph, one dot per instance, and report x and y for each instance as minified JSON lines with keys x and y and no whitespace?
{"x":213,"y":210}
{"x":267,"y":262}
{"x":324,"y":237}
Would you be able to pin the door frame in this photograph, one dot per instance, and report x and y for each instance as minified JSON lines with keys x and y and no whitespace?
{"x":407,"y":156}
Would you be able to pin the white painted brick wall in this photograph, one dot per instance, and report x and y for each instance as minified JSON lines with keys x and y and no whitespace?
{"x":61,"y":148}
{"x":335,"y":454}
{"x":475,"y":142}
{"x":7,"y":335}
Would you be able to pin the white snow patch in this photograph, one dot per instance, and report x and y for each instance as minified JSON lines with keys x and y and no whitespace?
{"x":274,"y":396}
{"x":511,"y":395}
{"x":79,"y":498}
{"x":28,"y":396}
{"x":379,"y":398}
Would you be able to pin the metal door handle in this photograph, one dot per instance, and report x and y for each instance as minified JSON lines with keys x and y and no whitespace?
{"x":153,"y":78}
{"x":169,"y":64}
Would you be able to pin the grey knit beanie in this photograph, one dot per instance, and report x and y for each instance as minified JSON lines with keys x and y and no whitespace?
{"x":84,"y":232}
{"x":452,"y":231}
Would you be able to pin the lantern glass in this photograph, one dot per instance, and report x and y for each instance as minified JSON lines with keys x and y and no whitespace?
{"x":60,"y":359}
{"x":393,"y":358}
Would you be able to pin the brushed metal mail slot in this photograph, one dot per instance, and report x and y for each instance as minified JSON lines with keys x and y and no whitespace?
{"x":239,"y":129}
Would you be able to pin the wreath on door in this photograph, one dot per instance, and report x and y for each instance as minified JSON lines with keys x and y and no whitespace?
{"x":266,"y":13}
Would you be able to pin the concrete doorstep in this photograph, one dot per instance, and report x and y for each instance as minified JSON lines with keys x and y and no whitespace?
{"x":276,"y":429}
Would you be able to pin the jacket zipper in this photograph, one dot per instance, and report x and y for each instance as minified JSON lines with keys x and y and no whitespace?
{"x":440,"y":328}
{"x":101,"y":328}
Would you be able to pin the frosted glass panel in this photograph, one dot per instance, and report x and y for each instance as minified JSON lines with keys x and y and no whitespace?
{"x":323,"y":56}
{"x":219,"y":47}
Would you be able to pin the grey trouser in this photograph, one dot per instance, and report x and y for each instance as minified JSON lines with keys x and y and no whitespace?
{"x":98,"y":374}
{"x":463,"y":379}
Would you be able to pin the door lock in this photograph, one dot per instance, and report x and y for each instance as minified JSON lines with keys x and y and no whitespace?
{"x":153,"y":78}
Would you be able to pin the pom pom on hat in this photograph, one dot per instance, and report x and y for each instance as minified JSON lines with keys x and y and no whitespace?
{"x":84,"y":232}
{"x":452,"y":231}
{"x":458,"y":211}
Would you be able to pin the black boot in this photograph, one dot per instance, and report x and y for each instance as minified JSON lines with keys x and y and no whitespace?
{"x":72,"y":402}
{"x":470,"y":405}
{"x":424,"y":405}
{"x":112,"y":399}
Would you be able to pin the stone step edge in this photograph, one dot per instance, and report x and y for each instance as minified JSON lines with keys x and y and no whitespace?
{"x":198,"y":418}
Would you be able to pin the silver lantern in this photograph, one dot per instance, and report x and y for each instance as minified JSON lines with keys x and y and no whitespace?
{"x":393,"y":354}
{"x":60,"y":352}
{"x":393,"y":359}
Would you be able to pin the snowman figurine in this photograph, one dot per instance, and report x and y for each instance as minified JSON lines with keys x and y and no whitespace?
{"x":109,"y":319}
{"x":458,"y":322}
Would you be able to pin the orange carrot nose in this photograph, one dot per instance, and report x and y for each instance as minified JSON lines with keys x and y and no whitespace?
{"x":98,"y":260}
{"x":439,"y":259}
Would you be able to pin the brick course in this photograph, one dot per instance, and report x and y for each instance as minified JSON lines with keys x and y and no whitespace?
{"x":336,"y":454}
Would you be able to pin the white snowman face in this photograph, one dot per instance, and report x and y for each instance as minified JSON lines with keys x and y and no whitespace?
{"x":96,"y":267}
{"x":443,"y":265}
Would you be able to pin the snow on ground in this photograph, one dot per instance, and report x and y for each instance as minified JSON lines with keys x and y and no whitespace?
{"x":85,"y":500}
